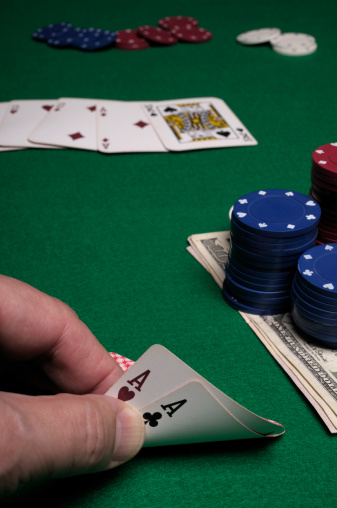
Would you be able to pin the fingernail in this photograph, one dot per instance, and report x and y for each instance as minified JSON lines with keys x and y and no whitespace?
{"x":130,"y":433}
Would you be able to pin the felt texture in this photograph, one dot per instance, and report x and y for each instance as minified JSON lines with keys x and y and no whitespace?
{"x":107,"y":233}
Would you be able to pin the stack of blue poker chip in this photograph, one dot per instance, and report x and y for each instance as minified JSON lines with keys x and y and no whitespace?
{"x":270,"y":229}
{"x":314,"y":294}
{"x":64,"y":35}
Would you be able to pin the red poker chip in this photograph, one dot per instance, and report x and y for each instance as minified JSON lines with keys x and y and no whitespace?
{"x":324,"y":239}
{"x":125,"y":35}
{"x":325,"y":158}
{"x":327,"y":229}
{"x":329,"y":220}
{"x":177,"y":21}
{"x":132,"y":47}
{"x":129,"y":40}
{"x":157,"y":35}
{"x":324,"y":184}
{"x":323,"y":192}
{"x":324,"y":177}
{"x":192,"y":34}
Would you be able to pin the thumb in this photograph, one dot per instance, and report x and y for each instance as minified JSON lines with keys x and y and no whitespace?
{"x":64,"y":435}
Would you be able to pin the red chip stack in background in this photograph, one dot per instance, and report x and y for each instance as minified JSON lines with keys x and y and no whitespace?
{"x":324,"y":190}
{"x":129,"y":40}
{"x":194,"y":34}
{"x":185,"y":28}
{"x":156,"y":35}
{"x":170,"y":31}
{"x":177,"y":21}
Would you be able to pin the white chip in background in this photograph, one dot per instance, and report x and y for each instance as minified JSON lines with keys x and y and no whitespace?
{"x":260,"y":36}
{"x":294,"y":51}
{"x":294,"y":44}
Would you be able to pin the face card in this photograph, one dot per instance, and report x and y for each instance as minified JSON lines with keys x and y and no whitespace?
{"x":124,"y":127}
{"x":190,"y":414}
{"x":195,"y":124}
{"x":71,"y":123}
{"x":20,"y":118}
{"x":158,"y":372}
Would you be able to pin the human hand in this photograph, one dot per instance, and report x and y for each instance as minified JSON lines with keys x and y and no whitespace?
{"x":75,"y":430}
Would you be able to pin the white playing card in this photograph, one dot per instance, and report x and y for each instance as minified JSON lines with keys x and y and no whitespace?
{"x":123,"y":127}
{"x":158,"y":372}
{"x":198,"y":123}
{"x":190,"y":414}
{"x":71,"y":123}
{"x":20,"y":118}
{"x":3,"y":109}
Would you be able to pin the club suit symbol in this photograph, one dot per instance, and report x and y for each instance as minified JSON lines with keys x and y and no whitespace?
{"x":152,"y":419}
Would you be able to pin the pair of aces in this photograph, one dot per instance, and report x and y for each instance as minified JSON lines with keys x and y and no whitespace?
{"x":180,"y":407}
{"x":121,"y":126}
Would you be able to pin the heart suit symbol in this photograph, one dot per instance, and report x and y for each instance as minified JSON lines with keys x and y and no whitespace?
{"x":125,"y":394}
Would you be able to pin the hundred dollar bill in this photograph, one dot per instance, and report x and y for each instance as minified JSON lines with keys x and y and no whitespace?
{"x":311,"y":367}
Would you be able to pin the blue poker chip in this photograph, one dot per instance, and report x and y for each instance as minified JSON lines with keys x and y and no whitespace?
{"x":251,"y":309}
{"x":275,"y":249}
{"x":317,"y":269}
{"x":267,"y":261}
{"x":323,"y":338}
{"x":258,"y":279}
{"x":63,"y":40}
{"x":315,"y":316}
{"x":312,"y":306}
{"x":275,"y":240}
{"x":313,"y":298}
{"x":94,"y":39}
{"x":310,"y":324}
{"x":271,"y":273}
{"x":257,"y":286}
{"x":248,"y":295}
{"x":277,"y":212}
{"x":51,"y":31}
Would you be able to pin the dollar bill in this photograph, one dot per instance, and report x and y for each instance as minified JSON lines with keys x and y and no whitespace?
{"x":311,"y":367}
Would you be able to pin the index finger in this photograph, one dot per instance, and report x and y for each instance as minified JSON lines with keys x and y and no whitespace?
{"x":36,"y":326}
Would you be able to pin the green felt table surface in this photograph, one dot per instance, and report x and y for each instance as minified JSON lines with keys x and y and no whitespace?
{"x":108,"y":234}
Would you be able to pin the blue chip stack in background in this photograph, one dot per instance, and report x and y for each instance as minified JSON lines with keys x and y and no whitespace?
{"x":270,"y":229}
{"x":314,"y":293}
{"x":64,"y":35}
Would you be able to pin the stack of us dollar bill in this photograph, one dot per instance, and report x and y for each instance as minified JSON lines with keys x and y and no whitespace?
{"x":312,"y":368}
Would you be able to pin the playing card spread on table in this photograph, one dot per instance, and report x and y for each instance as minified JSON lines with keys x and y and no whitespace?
{"x":20,"y":118}
{"x":124,"y":127}
{"x":70,"y":123}
{"x":194,"y":124}
{"x":3,"y":109}
{"x":158,"y":372}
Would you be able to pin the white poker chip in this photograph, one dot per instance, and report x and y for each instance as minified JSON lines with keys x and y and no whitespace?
{"x":294,"y":44}
{"x":295,"y":51}
{"x":260,"y":36}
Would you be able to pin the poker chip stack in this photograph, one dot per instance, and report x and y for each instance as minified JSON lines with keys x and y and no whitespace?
{"x":324,"y":190}
{"x":270,"y":229}
{"x":171,"y":30}
{"x":287,"y":43}
{"x":314,"y":294}
{"x":64,"y":35}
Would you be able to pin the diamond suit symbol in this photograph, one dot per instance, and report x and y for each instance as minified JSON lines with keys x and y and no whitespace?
{"x":141,"y":124}
{"x":76,"y":135}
